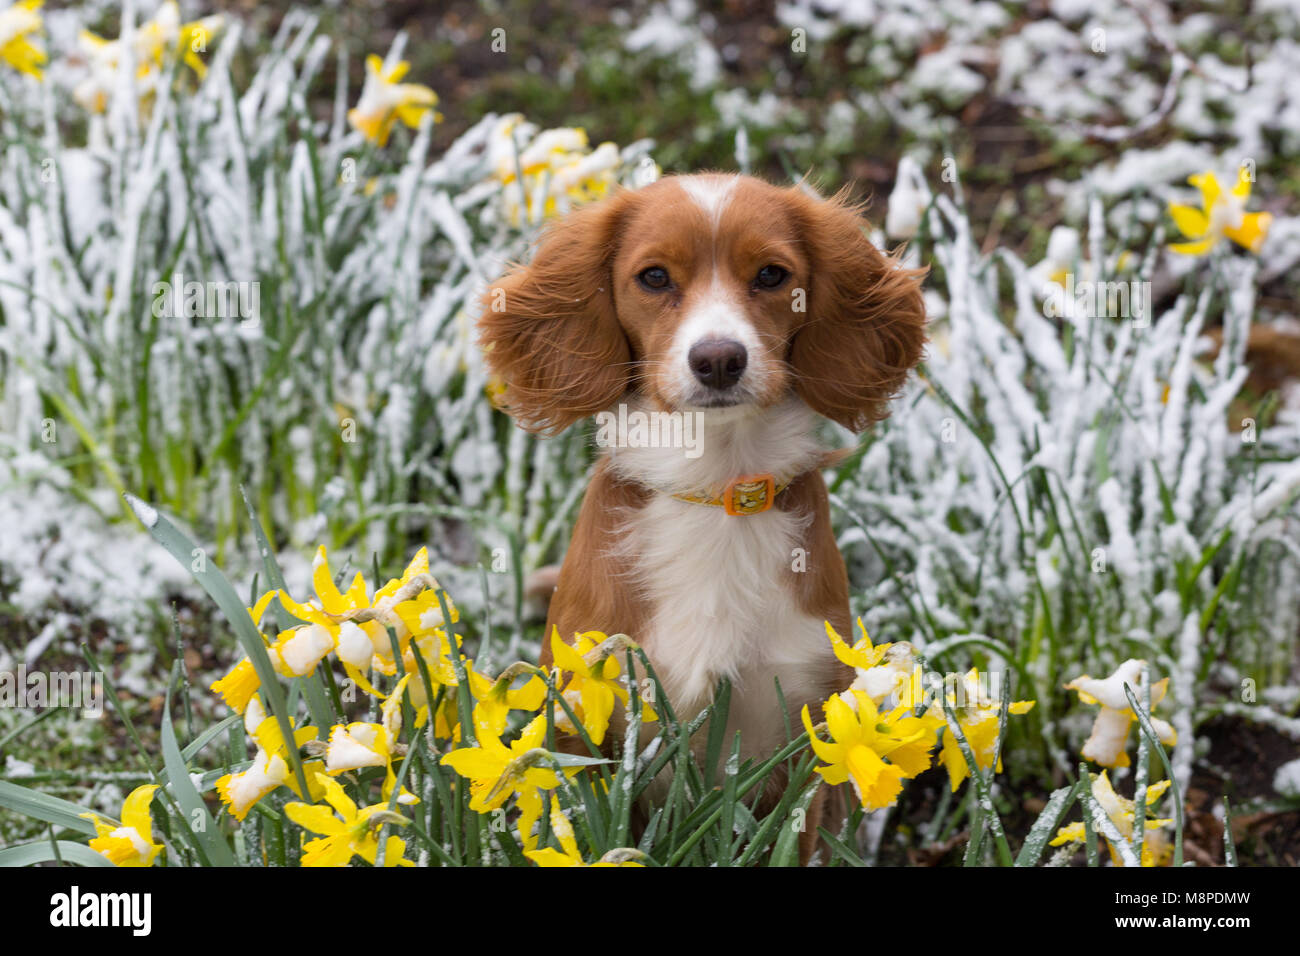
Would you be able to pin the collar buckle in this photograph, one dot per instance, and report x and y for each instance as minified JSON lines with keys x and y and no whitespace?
{"x":749,"y":494}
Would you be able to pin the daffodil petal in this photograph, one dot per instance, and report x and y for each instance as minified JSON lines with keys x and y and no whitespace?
{"x":1193,"y":223}
{"x":1252,"y":232}
{"x":135,"y":811}
{"x":316,"y":819}
{"x":1192,"y":248}
{"x":1208,"y":184}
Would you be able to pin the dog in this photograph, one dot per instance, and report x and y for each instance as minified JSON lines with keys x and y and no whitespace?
{"x":748,"y":310}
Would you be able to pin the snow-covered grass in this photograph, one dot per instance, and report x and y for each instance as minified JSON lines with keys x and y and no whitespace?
{"x":1069,"y":493}
{"x":1052,"y":496}
{"x":351,"y":407}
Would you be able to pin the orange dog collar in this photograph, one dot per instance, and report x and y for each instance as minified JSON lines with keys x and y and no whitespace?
{"x":743,"y":496}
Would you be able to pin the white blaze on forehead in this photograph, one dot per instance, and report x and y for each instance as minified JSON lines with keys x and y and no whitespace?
{"x":710,"y":193}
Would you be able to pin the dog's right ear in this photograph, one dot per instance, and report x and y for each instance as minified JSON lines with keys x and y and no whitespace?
{"x":549,"y":329}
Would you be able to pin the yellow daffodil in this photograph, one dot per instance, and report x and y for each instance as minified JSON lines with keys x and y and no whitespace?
{"x":352,"y":832}
{"x":359,"y":745}
{"x":194,"y":39}
{"x":1106,"y":744}
{"x":164,"y":34}
{"x":238,"y":686}
{"x":385,"y":100}
{"x":356,"y":647}
{"x":391,"y":709}
{"x":1156,"y":848}
{"x":1222,"y":216}
{"x":874,"y":752}
{"x":896,"y":679}
{"x":240,"y":791}
{"x":297,"y":651}
{"x":571,"y":856}
{"x":594,"y":685}
{"x":434,"y":649}
{"x":558,"y":168}
{"x":330,"y":613}
{"x":100,"y":56}
{"x":978,"y":716}
{"x":881,"y":669}
{"x":422,"y":618}
{"x":356,"y":746}
{"x":862,"y":655}
{"x":1061,"y":259}
{"x":153,"y":37}
{"x":447,"y":715}
{"x":151,"y":44}
{"x":409,"y":605}
{"x":589,"y":177}
{"x":270,"y":768}
{"x":18,"y":23}
{"x":496,"y":771}
{"x":331,"y":606}
{"x":269,"y":737}
{"x":254,"y":714}
{"x":496,"y":698}
{"x":130,"y":844}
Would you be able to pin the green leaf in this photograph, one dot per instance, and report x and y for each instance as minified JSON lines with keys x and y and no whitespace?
{"x":620,"y":810}
{"x":311,"y":684}
{"x":29,"y":854}
{"x":1144,"y":721}
{"x":786,"y":851}
{"x":841,"y":849}
{"x":729,"y":781}
{"x":1095,"y":815}
{"x":575,"y":760}
{"x":768,"y":830}
{"x":192,"y":806}
{"x":218,"y":587}
{"x":209,"y":735}
{"x":23,"y":728}
{"x":40,"y":806}
{"x":717,"y":731}
{"x":1040,"y":834}
{"x":985,"y":802}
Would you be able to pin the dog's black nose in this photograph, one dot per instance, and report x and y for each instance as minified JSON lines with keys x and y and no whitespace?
{"x":718,"y":363}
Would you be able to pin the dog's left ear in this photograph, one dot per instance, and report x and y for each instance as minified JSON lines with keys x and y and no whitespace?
{"x":865,"y":326}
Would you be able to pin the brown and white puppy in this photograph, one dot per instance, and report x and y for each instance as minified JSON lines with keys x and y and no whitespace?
{"x":754,"y":309}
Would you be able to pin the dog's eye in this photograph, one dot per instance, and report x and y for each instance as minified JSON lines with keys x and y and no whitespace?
{"x":769,"y":277}
{"x":655,"y":278}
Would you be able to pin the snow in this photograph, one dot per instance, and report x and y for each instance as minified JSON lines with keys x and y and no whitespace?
{"x":673,"y":30}
{"x":16,"y":769}
{"x":1287,"y":780}
{"x":146,"y":513}
{"x":64,"y":563}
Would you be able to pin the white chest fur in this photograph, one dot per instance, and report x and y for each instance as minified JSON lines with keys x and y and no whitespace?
{"x":718,"y":586}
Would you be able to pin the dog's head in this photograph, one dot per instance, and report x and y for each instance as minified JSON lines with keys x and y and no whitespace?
{"x":700,"y":292}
